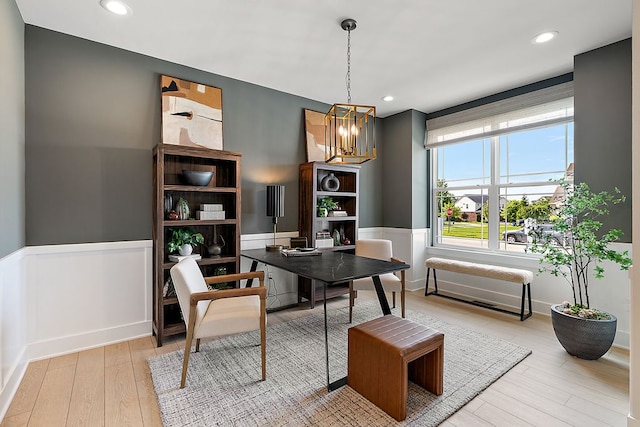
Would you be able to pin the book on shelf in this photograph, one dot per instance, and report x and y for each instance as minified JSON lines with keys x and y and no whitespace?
{"x":210,"y":215}
{"x":178,"y":258}
{"x":338,"y":213}
{"x":211,"y":207}
{"x":324,"y":243}
{"x":301,"y":252}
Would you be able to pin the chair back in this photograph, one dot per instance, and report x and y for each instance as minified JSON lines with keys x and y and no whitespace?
{"x":374,"y":248}
{"x":187,"y":279}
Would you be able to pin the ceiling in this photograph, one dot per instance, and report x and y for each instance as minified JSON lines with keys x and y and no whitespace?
{"x":428,"y":54}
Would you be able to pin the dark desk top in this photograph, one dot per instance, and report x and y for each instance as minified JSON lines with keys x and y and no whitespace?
{"x":331,"y":267}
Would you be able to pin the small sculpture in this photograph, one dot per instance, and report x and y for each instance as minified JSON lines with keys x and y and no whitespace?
{"x":183,"y":209}
{"x":336,"y":238}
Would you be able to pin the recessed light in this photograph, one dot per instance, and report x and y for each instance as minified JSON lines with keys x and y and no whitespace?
{"x":387,"y":98}
{"x":544,"y":37}
{"x":116,"y":6}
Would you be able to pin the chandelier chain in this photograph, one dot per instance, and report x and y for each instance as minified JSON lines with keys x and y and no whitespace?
{"x":348,"y":66}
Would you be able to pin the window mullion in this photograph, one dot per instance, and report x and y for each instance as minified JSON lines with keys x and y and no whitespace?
{"x":494,"y":196}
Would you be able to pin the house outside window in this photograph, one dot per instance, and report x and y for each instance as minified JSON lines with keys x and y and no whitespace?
{"x":498,"y":175}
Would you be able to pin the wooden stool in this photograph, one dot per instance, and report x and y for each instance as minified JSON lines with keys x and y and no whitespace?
{"x":385,"y":353}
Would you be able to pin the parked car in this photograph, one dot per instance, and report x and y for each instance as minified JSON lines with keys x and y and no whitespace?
{"x":515,"y":236}
{"x":519,"y":236}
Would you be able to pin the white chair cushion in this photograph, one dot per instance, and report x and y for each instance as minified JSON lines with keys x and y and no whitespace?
{"x":375,"y":248}
{"x":378,"y":249}
{"x":230,"y":316}
{"x":390,"y":283}
{"x":187,"y":279}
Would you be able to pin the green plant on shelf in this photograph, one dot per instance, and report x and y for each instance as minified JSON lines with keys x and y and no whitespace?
{"x":326,"y":204}
{"x":184,"y":236}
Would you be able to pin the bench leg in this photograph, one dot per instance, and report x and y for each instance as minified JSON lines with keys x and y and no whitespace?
{"x":526,"y":290}
{"x":435,"y":283}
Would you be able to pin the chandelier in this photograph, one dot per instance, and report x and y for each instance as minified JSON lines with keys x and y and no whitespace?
{"x":349,"y":128}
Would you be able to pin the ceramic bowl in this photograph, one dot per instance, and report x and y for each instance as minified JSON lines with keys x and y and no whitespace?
{"x":197,"y":178}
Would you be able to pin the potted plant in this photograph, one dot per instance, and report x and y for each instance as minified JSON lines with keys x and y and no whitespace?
{"x":584,"y":331}
{"x":326,"y":204}
{"x":183,"y":240}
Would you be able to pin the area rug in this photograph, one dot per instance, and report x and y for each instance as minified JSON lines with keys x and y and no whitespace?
{"x":224,"y":388}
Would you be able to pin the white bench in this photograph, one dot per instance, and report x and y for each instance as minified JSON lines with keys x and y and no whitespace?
{"x":515,"y":275}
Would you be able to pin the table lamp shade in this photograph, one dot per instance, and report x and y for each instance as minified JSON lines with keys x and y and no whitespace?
{"x":275,"y":201}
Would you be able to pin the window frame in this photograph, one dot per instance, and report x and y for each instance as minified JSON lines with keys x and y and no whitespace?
{"x":494,"y":189}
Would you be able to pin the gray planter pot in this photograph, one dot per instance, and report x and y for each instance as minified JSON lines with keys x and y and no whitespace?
{"x":584,"y":338}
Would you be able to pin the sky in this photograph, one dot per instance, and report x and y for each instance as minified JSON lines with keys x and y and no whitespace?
{"x":535,"y":155}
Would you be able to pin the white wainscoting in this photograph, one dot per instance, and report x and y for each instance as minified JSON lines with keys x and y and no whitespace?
{"x":409,"y":246}
{"x":282,"y":286}
{"x":86,"y":295}
{"x":66,"y":298}
{"x":13,"y":326}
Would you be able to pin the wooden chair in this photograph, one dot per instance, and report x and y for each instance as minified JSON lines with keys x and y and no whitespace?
{"x":378,"y":249}
{"x":218,"y":312}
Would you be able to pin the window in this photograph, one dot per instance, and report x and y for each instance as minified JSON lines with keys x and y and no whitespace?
{"x":495,"y":174}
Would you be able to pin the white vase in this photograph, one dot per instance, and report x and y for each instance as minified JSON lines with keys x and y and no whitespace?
{"x":185,"y":250}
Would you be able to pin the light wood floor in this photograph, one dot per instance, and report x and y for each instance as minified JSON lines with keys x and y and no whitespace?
{"x":111,"y":386}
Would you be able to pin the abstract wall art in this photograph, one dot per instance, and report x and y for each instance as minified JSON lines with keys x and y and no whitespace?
{"x":191,"y":113}
{"x":314,"y":127}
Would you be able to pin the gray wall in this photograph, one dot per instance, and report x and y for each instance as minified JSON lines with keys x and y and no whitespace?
{"x":93,"y":117}
{"x":12,"y":125}
{"x":602,"y":80}
{"x":404,"y":171}
{"x":397,"y":170}
{"x":419,"y":172}
{"x":371,"y":183}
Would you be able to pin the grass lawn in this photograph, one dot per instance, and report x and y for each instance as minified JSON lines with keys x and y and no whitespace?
{"x":472,"y":230}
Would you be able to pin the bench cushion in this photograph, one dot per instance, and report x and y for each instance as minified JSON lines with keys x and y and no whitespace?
{"x":492,"y":271}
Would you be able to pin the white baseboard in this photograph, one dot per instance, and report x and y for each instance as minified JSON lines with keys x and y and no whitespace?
{"x":12,"y":383}
{"x":59,"y":346}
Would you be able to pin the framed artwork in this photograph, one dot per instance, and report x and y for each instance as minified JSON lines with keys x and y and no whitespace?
{"x":191,"y":113}
{"x":314,"y":128}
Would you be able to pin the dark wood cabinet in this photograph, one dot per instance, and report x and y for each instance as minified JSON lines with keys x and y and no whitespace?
{"x":316,"y":181}
{"x":170,"y":186}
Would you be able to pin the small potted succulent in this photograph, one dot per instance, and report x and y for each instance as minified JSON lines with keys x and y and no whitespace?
{"x":584,"y":331}
{"x":183,"y":240}
{"x":326,"y":204}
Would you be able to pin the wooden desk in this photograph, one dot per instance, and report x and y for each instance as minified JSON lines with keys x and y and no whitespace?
{"x":330,"y":268}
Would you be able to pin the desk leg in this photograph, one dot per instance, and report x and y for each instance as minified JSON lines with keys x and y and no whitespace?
{"x":331,"y":386}
{"x":254,"y":267}
{"x":326,"y":332}
{"x":384,"y":303}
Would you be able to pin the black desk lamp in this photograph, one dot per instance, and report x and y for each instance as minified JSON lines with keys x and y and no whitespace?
{"x":275,"y":209}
